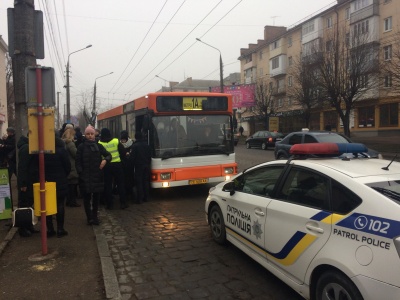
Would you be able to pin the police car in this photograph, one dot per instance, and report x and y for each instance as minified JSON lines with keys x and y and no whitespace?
{"x":325,"y":223}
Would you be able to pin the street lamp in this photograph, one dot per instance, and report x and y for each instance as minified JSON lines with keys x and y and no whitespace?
{"x":221,"y":72}
{"x":170,"y":87}
{"x":67,"y":86}
{"x":93,"y":119}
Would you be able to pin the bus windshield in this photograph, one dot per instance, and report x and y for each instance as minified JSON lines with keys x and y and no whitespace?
{"x":192,"y":135}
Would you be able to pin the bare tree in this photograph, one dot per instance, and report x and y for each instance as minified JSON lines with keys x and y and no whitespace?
{"x":263,"y":100}
{"x":346,"y":69}
{"x":83,"y":107}
{"x":305,"y":89}
{"x":10,"y":92}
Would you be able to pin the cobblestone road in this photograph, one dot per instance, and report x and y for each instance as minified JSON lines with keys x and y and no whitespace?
{"x":163,"y":249}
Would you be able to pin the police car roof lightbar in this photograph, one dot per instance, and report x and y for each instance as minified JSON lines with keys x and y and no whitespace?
{"x":327,"y":149}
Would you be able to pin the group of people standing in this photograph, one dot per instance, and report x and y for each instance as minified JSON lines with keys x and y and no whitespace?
{"x":93,"y":165}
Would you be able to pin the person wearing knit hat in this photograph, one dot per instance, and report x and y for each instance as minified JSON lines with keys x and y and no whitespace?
{"x":89,"y":155}
{"x":113,"y":172}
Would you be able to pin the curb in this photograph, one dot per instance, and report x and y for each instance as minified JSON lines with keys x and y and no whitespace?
{"x":109,"y":276}
{"x":7,"y":239}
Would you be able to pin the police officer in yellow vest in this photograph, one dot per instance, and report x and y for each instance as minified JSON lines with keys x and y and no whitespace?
{"x":113,"y":172}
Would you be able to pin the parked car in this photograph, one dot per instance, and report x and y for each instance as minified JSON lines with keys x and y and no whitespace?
{"x":282,"y":147}
{"x":263,"y":139}
{"x":327,"y":227}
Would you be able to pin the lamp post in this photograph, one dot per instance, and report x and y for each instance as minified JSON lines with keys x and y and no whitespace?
{"x":170,"y":87}
{"x":221,"y":72}
{"x":93,"y":119}
{"x":67,"y":86}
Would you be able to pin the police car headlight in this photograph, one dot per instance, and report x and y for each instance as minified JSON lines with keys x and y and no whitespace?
{"x":229,"y":170}
{"x":165,"y":176}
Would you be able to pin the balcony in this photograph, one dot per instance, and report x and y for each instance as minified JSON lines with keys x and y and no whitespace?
{"x":364,"y":13}
{"x":279,"y":90}
{"x":249,"y":65}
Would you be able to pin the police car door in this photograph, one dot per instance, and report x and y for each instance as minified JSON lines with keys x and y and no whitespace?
{"x":246,"y":208}
{"x":296,"y":228}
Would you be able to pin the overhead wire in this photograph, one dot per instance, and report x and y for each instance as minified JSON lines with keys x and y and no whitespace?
{"x":137,"y":49}
{"x":198,"y":24}
{"x":156,"y":39}
{"x":189,"y":46}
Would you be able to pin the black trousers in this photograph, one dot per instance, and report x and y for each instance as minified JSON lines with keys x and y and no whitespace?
{"x":91,"y":205}
{"x":114,"y":173}
{"x":142,"y":182}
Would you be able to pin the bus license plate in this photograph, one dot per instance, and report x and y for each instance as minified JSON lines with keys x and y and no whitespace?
{"x":198,"y":181}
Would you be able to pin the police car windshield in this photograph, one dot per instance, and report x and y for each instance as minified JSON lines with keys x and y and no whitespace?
{"x":390,"y":189}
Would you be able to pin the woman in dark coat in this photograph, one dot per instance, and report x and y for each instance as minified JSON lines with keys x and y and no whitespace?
{"x":90,"y":160}
{"x":57,"y":168}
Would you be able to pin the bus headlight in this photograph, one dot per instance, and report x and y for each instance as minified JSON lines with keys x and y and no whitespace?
{"x":165,"y":176}
{"x":229,"y":170}
{"x":227,"y":178}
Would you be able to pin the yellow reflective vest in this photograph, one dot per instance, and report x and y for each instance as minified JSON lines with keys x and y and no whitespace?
{"x":112,"y":147}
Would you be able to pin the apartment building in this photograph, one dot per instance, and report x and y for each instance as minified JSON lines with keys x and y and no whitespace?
{"x":275,"y":60}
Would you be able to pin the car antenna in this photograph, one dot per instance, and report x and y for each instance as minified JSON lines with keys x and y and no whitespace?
{"x":387,"y":167}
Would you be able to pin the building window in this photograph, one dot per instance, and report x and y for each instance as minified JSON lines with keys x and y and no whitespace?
{"x":270,"y":86}
{"x":361,"y":28}
{"x":363,"y":81}
{"x":387,"y":52}
{"x":329,"y":46}
{"x":359,"y":4}
{"x":280,"y":102}
{"x":274,"y":45}
{"x":290,"y":60}
{"x":289,"y":101}
{"x":275,"y":63}
{"x":366,"y":117}
{"x":260,"y":55}
{"x":389,"y":115}
{"x":329,"y":22}
{"x":290,"y":81}
{"x":290,"y":41}
{"x":388,"y":24}
{"x":388,"y":80}
{"x":260,"y":72}
{"x":347,"y":13}
{"x":308,"y":27}
{"x":347,"y":39}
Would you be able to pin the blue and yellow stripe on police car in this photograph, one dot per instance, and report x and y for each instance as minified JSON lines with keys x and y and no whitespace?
{"x":296,"y":245}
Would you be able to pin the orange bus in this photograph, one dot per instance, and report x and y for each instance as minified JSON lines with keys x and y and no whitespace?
{"x":190,"y":135}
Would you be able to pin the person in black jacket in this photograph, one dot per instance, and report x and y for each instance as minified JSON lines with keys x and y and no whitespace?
{"x":140,"y":158}
{"x":57,"y":168}
{"x":90,"y":160}
{"x":8,"y":148}
{"x":24,"y":182}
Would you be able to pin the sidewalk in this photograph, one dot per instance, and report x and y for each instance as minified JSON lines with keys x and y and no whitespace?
{"x":77,"y":266}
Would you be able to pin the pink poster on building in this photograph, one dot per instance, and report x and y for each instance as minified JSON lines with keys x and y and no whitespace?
{"x":242,"y":95}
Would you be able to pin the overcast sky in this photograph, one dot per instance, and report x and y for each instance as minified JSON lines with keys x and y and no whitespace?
{"x":138,"y":40}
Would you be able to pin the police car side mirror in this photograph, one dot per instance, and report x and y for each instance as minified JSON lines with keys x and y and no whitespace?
{"x":229,"y":187}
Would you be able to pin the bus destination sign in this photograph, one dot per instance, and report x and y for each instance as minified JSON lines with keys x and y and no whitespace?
{"x":193,"y":103}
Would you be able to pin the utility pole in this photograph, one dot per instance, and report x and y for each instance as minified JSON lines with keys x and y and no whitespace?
{"x":23,"y":56}
{"x":58,"y":110}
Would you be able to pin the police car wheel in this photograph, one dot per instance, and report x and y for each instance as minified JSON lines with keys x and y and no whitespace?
{"x":333,"y":285}
{"x":217,"y":225}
